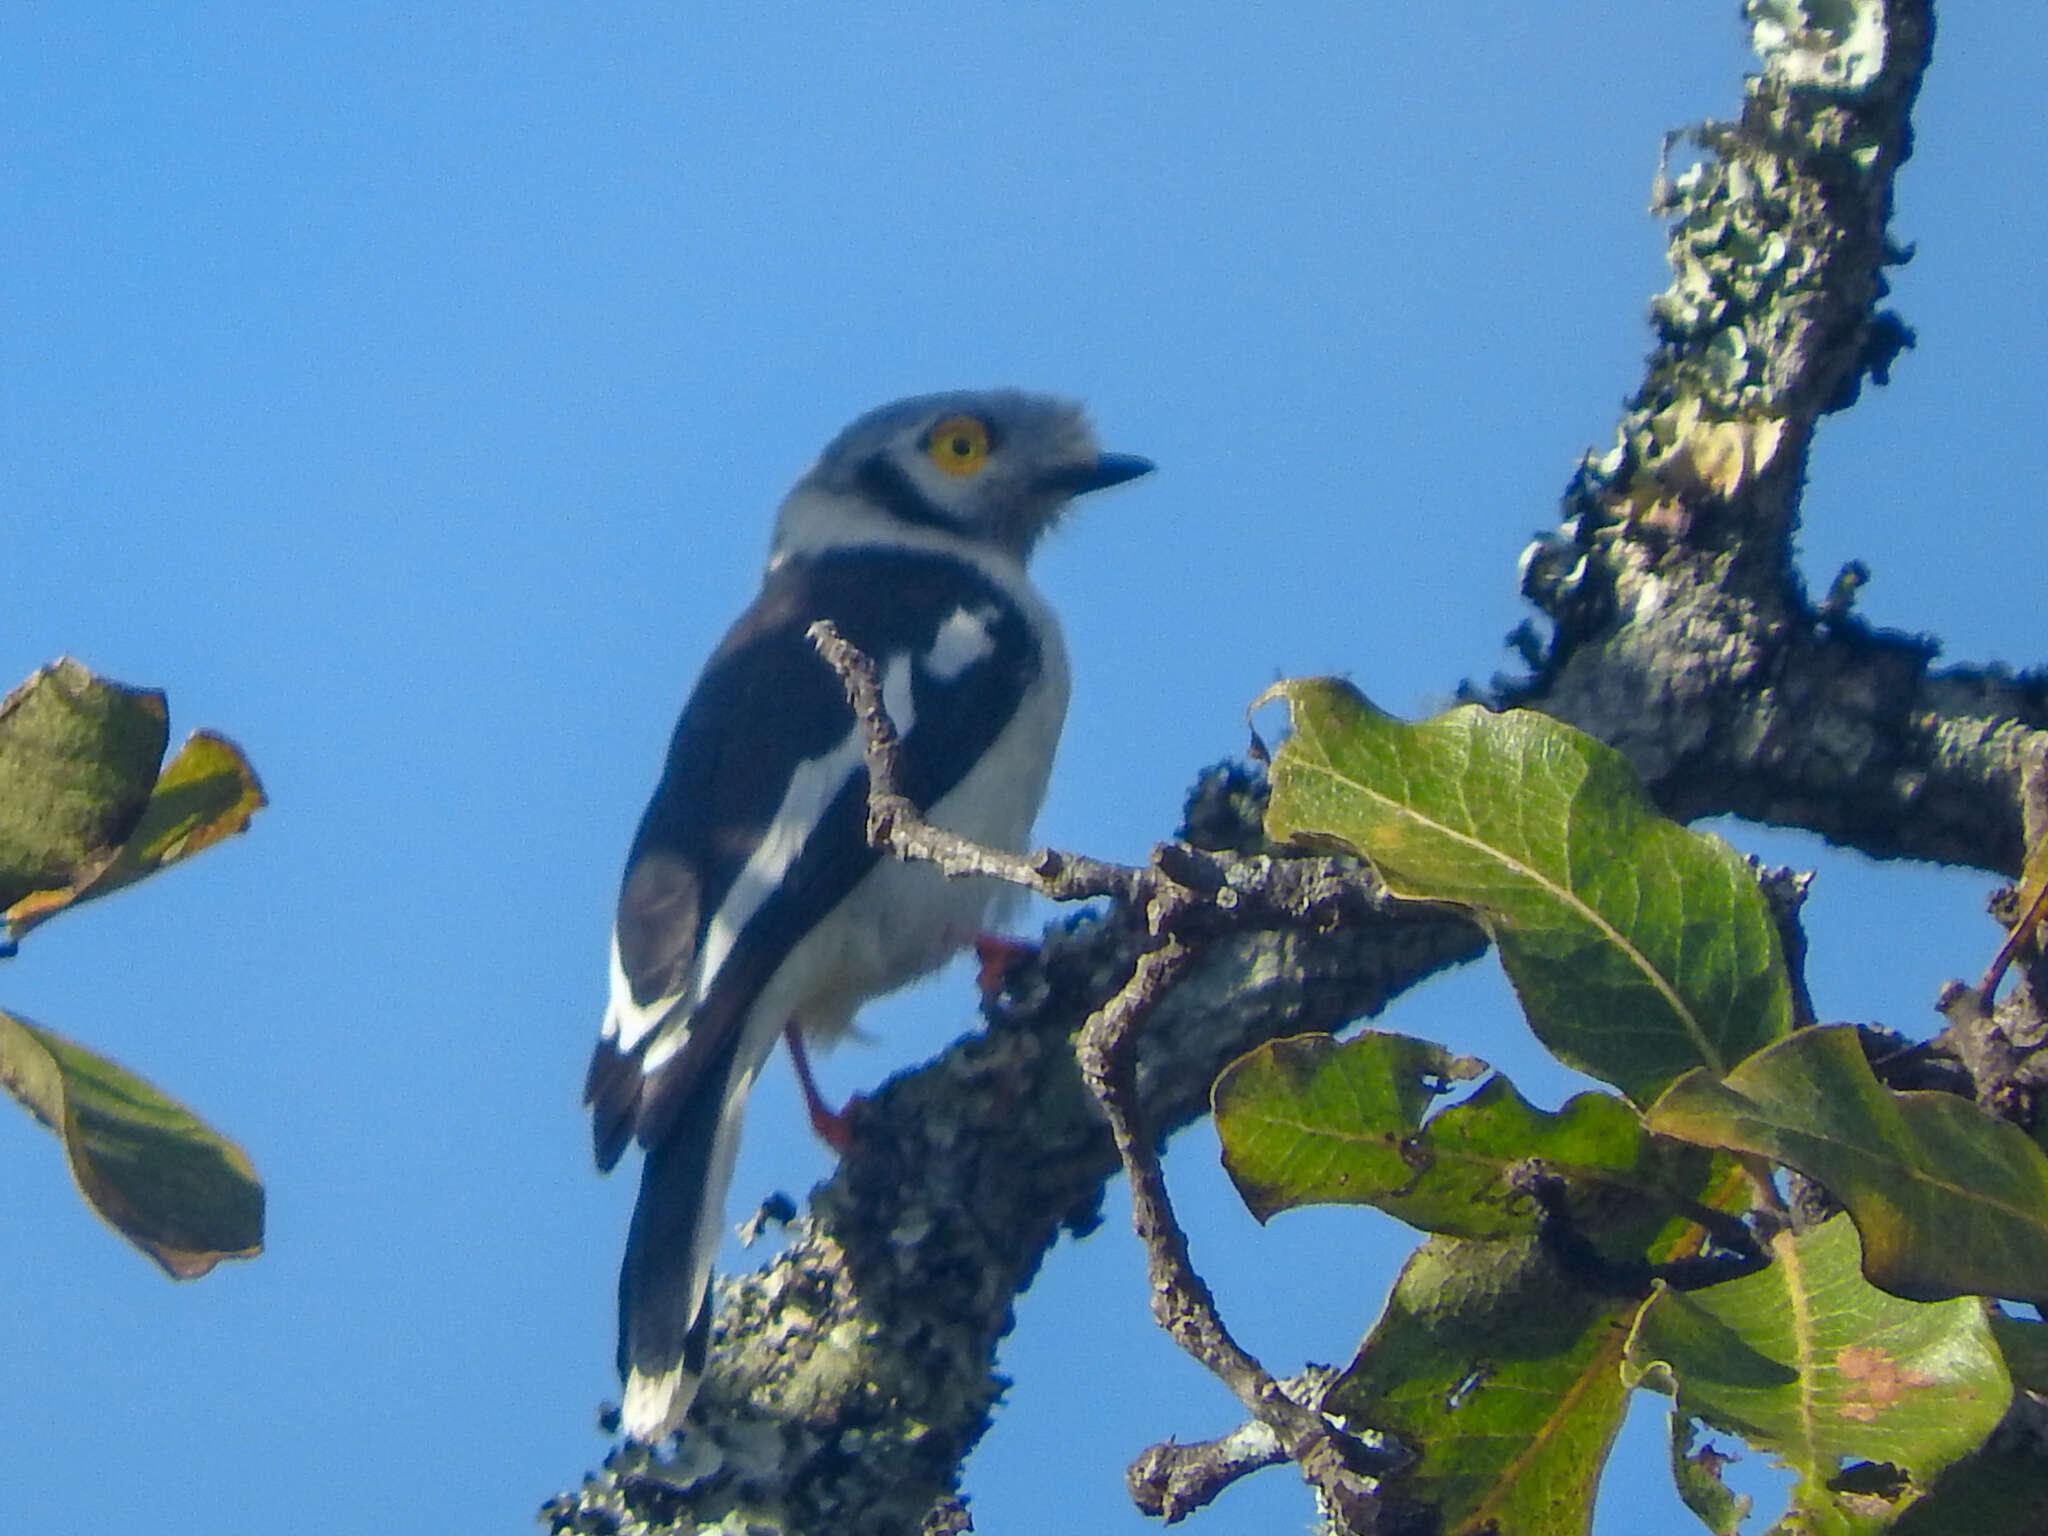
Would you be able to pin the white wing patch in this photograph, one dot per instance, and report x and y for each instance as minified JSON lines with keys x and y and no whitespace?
{"x":812,"y":788}
{"x":625,"y":1021}
{"x":967,"y":637}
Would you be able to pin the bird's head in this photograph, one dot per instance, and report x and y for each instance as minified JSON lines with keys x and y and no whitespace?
{"x":996,"y":466}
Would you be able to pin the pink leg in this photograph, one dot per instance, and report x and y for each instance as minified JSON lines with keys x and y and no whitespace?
{"x":834,"y":1126}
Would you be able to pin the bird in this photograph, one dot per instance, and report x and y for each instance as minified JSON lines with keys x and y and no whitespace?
{"x":752,"y":905}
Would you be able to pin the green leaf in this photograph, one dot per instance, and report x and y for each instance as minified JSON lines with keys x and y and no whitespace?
{"x":78,"y":755}
{"x":206,"y":793}
{"x":1504,"y":1374}
{"x":2024,"y":1343}
{"x":1504,"y":1371}
{"x":178,"y":1190}
{"x":2000,"y":1491}
{"x":1697,"y":1474}
{"x":1949,"y":1200}
{"x":1808,"y":1361}
{"x":1310,"y":1120}
{"x":1639,"y":949}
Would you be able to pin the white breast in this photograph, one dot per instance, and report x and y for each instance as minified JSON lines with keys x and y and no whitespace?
{"x":905,"y":919}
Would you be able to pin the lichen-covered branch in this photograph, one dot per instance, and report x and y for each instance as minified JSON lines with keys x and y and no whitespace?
{"x":1681,"y":631}
{"x":854,"y":1372}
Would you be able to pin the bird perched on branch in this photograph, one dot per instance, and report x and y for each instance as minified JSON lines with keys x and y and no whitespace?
{"x":752,"y":904}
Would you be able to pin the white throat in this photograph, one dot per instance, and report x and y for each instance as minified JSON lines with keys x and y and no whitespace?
{"x":812,"y":521}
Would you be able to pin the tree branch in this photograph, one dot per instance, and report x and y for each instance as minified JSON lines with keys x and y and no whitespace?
{"x":1173,"y":1480}
{"x":1680,"y":629}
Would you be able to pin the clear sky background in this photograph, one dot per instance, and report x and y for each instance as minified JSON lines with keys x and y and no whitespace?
{"x":407,"y":391}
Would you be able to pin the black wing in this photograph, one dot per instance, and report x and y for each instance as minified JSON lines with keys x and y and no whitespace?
{"x":767,"y":710}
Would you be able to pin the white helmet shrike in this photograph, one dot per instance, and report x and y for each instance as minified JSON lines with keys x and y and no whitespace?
{"x":751,"y":900}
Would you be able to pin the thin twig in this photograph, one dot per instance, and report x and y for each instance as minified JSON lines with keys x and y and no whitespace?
{"x":1174,"y":1479}
{"x":1173,"y":892}
{"x":896,"y":825}
{"x":1182,"y":1303}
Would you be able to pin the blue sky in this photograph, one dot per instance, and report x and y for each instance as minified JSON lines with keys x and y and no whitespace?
{"x":407,"y":392}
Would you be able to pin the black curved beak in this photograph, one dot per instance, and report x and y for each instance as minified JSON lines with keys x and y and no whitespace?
{"x":1107,"y":470}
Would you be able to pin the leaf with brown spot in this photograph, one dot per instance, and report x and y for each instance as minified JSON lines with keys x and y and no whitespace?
{"x":1869,"y":1398}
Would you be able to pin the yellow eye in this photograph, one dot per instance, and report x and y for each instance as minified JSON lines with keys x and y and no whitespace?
{"x":958,"y":445}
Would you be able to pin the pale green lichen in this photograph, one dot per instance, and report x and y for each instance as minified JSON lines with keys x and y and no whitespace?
{"x":1733,"y":270}
{"x":1834,"y":44}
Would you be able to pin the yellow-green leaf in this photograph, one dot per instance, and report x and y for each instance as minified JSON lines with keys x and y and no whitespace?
{"x":206,"y":793}
{"x":1506,"y":1370}
{"x":78,"y":755}
{"x":1505,"y":1374}
{"x":181,"y":1192}
{"x":1639,"y":949}
{"x":1950,"y":1201}
{"x":1696,"y":1472}
{"x":1313,"y":1120}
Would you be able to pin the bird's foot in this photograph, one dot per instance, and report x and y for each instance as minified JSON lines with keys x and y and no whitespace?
{"x":834,"y":1126}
